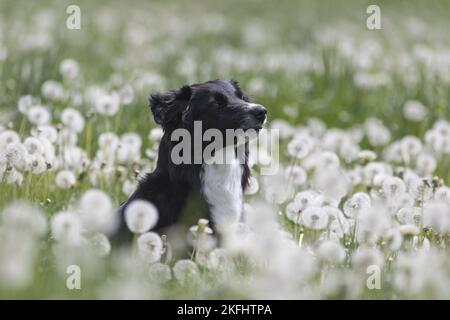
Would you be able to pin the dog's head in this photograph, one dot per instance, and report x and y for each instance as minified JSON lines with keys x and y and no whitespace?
{"x":219,"y":104}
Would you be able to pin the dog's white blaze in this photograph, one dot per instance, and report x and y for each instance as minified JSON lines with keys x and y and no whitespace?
{"x":222,"y":189}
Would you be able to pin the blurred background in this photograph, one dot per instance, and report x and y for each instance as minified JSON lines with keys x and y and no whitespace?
{"x":317,"y":57}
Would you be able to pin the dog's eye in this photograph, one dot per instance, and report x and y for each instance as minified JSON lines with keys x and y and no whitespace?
{"x":241,"y":95}
{"x":221,"y":100}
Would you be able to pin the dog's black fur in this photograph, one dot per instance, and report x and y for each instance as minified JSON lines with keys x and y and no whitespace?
{"x":219,"y":104}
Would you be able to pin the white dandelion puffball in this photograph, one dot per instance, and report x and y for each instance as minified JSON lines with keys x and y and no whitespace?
{"x":16,"y":155}
{"x":150,"y":247}
{"x":69,"y":69}
{"x":25,"y":103}
{"x":300,"y":146}
{"x":414,"y":110}
{"x":185,"y":271}
{"x":331,"y":251}
{"x":293,"y":211}
{"x":34,"y":146}
{"x":65,"y":179}
{"x":72,"y":119}
{"x":297,"y":174}
{"x":315,"y":218}
{"x":8,"y":137}
{"x":304,"y":199}
{"x":98,"y":243}
{"x":126,"y":94}
{"x":358,"y":203}
{"x":39,"y":115}
{"x":364,"y":257}
{"x":96,"y":211}
{"x":53,"y":90}
{"x":24,"y":217}
{"x":66,"y":227}
{"x":393,"y":187}
{"x":156,"y":134}
{"x":36,"y":164}
{"x":159,"y":273}
{"x":107,"y":104}
{"x":141,"y":216}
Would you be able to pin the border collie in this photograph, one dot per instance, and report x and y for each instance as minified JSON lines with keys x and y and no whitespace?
{"x":217,"y":104}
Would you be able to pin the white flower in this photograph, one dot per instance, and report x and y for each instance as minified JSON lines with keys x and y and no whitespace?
{"x":72,"y":119}
{"x":156,"y":134}
{"x":357,"y":204}
{"x":426,"y":164}
{"x":414,"y":110}
{"x":331,"y":251}
{"x":36,"y":163}
{"x":331,"y":182}
{"x":98,"y":243}
{"x":25,"y":103}
{"x":315,"y":218}
{"x":131,"y":140}
{"x":107,"y":104}
{"x":367,"y":155}
{"x":96,"y":211}
{"x":393,"y":187}
{"x":126,"y":94}
{"x":53,"y":90}
{"x":185,"y":271}
{"x":443,"y":194}
{"x":7,"y":137}
{"x":128,"y":187}
{"x":141,"y":216}
{"x":39,"y":115}
{"x":436,"y":215}
{"x":65,"y":179}
{"x":67,"y":228}
{"x":46,"y":132}
{"x":25,"y":218}
{"x":295,"y":173}
{"x":219,"y":260}
{"x":300,"y":146}
{"x":150,"y":247}
{"x":16,"y":155}
{"x":377,"y":133}
{"x":159,"y":273}
{"x":34,"y":146}
{"x":69,"y":68}
{"x":364,"y":257}
{"x":293,"y":211}
{"x":304,"y":199}
{"x":411,"y":216}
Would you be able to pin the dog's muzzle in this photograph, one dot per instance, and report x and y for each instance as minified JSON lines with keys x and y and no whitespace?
{"x":258,"y":112}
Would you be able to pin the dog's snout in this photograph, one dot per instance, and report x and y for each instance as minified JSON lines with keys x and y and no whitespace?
{"x":258,"y":111}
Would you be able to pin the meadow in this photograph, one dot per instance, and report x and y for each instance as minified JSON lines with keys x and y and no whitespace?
{"x":359,"y":209}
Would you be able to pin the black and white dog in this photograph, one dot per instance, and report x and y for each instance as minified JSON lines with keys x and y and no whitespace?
{"x":218,"y":104}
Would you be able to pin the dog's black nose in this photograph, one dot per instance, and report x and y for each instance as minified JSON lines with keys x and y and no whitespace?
{"x":258,"y":111}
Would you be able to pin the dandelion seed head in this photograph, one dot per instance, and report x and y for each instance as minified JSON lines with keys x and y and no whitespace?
{"x":185,"y":271}
{"x":141,"y":216}
{"x":69,"y":69}
{"x":150,"y":247}
{"x":65,"y":179}
{"x":73,"y":120}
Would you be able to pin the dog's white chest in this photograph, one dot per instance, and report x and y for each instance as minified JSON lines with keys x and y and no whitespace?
{"x":222,"y":189}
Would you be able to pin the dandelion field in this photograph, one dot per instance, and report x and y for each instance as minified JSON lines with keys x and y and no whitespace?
{"x":362,"y":188}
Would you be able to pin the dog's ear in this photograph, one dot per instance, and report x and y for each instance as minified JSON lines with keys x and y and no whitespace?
{"x":169,"y":106}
